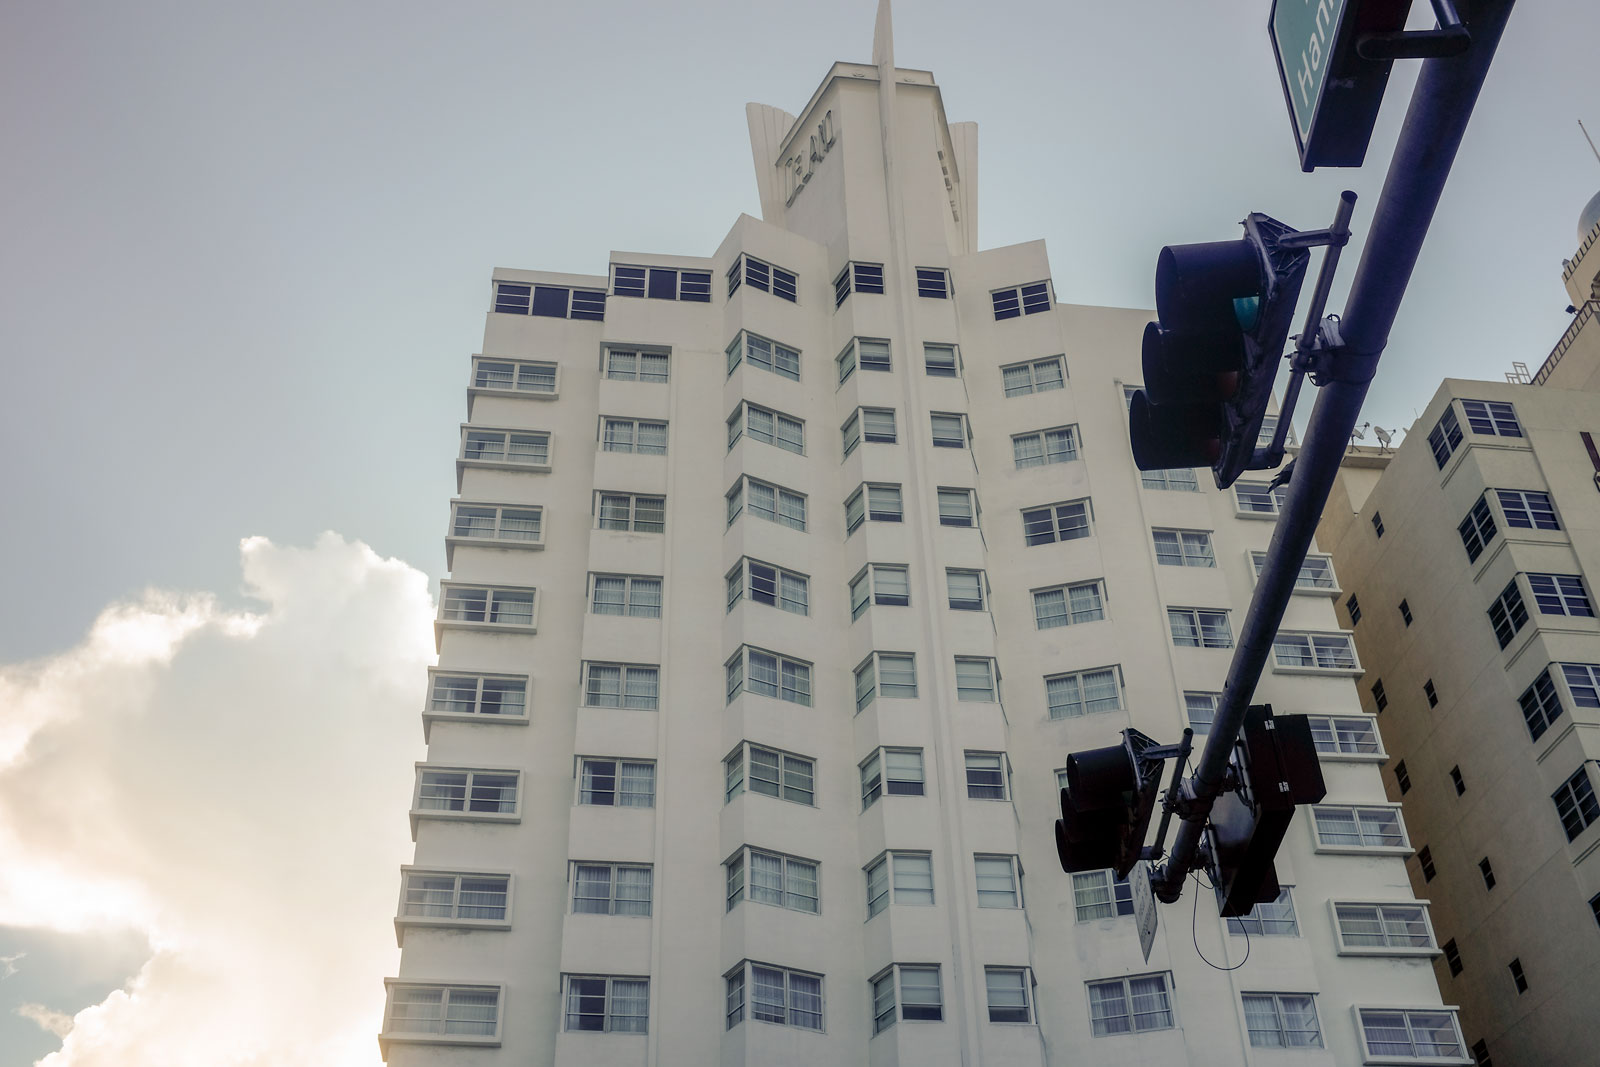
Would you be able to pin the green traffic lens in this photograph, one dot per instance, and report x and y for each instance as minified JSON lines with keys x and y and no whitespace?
{"x":1247,"y":310}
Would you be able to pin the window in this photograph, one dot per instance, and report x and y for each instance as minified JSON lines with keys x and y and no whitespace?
{"x":1405,"y":612}
{"x":637,"y":365}
{"x":1425,"y":863}
{"x":1258,"y":498}
{"x":504,"y":448}
{"x":1560,"y":594}
{"x":920,"y":995}
{"x":477,"y":607}
{"x":1402,"y":777}
{"x":1269,"y":430}
{"x":1508,"y":614}
{"x":1317,"y":652}
{"x":1452,"y":957}
{"x":1131,"y":1005}
{"x":1540,"y":705}
{"x":768,"y":674}
{"x":1431,"y":693}
{"x":956,"y":508}
{"x":1036,"y":449}
{"x":759,"y":274}
{"x":554,"y":301}
{"x":940,"y":361}
{"x":446,"y":896}
{"x":469,"y":1014}
{"x":1477,"y":529}
{"x":1008,"y":994}
{"x":777,"y":995}
{"x":949,"y":431}
{"x":1575,"y":803}
{"x":933,"y":283}
{"x":1456,"y":780}
{"x":998,"y":881}
{"x":1182,"y":479}
{"x":1491,"y":417}
{"x":520,"y":526}
{"x":1275,"y":918}
{"x":894,"y":674}
{"x":771,"y":502}
{"x":1101,"y":895}
{"x":513,"y":376}
{"x":1083,"y":693}
{"x":1068,"y":604}
{"x":986,"y":775}
{"x":1036,"y":376}
{"x":1183,"y":548}
{"x":1518,"y":979}
{"x":772,"y":427}
{"x":621,"y":685}
{"x":619,"y":783}
{"x":859,"y":278}
{"x":772,"y":878}
{"x":1281,"y":1020}
{"x":1583,"y":680}
{"x":1340,"y":736}
{"x":965,"y":589}
{"x":880,"y":503}
{"x":661,"y":283}
{"x":1342,"y":828}
{"x":899,"y":878}
{"x":460,"y":791}
{"x":644,"y":436}
{"x":1201,"y":709}
{"x":1417,"y":1034}
{"x":771,"y":773}
{"x":1056,"y":522}
{"x":1445,"y":436}
{"x":769,"y":585}
{"x":1528,"y":509}
{"x":1316,"y":573}
{"x":1379,"y":697}
{"x":1378,"y":928}
{"x":1199,"y":628}
{"x":897,"y":771}
{"x":882,"y":584}
{"x":975,"y":679}
{"x":617,"y":1005}
{"x":870,"y":354}
{"x":875,"y":425}
{"x":765,"y":353}
{"x":611,"y":889}
{"x":1018,"y":300}
{"x":625,"y":594}
{"x":477,"y":694}
{"x":631,"y":511}
{"x":1480,"y":1054}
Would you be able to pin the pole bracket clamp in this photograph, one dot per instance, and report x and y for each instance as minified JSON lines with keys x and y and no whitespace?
{"x":1329,"y":359}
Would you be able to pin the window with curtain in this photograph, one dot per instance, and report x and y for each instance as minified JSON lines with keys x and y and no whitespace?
{"x":455,"y":1010}
{"x":1083,"y":693}
{"x":1282,"y":1020}
{"x":624,"y":594}
{"x":1067,"y":605}
{"x":621,"y":783}
{"x":965,"y":589}
{"x":986,"y":775}
{"x":1038,"y":376}
{"x":1042,"y":447}
{"x":956,"y":508}
{"x":1007,"y":989}
{"x":997,"y":882}
{"x":1100,"y":895}
{"x":449,"y":895}
{"x":1130,"y":1005}
{"x":616,"y":1005}
{"x":611,"y":889}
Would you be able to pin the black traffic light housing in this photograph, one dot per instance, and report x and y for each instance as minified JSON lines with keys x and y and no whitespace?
{"x":1107,"y":804}
{"x":1225,"y":310}
{"x":1275,"y":767}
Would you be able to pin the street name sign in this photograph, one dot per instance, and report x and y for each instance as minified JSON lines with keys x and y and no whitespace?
{"x":1144,"y":906}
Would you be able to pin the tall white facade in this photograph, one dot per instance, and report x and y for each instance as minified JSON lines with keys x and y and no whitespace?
{"x":782,"y":582}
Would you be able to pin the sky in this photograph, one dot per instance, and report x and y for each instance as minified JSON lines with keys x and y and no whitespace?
{"x":246,"y":257}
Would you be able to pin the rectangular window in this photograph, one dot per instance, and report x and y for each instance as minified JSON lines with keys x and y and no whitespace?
{"x":956,"y":508}
{"x":949,"y":431}
{"x":893,"y":674}
{"x":940,"y":361}
{"x":1184,"y":548}
{"x":986,"y":775}
{"x":1342,"y":827}
{"x":899,"y":878}
{"x":1422,"y":1034}
{"x":625,"y":594}
{"x":1258,"y":498}
{"x":1131,"y":1005}
{"x":768,"y":674}
{"x":1425,"y":865}
{"x":477,"y":694}
{"x":466,"y":791}
{"x":460,"y":1011}
{"x":1101,"y":895}
{"x":965,"y":589}
{"x":614,"y":1005}
{"x":1508,"y":614}
{"x":1518,"y":979}
{"x":1487,"y":870}
{"x":975,"y":679}
{"x":875,"y":425}
{"x":1353,"y":606}
{"x":1377,"y":928}
{"x":477,"y":607}
{"x":879,"y":503}
{"x":766,"y":584}
{"x":637,"y":365}
{"x":1316,"y":572}
{"x":1540,"y":705}
{"x":1379,"y":697}
{"x":661,"y":283}
{"x":933,"y":283}
{"x":1182,"y":479}
{"x":1431,"y":693}
{"x":777,"y":995}
{"x":1275,"y":918}
{"x":897,"y":771}
{"x":1528,"y":509}
{"x":497,"y":522}
{"x":1083,"y":693}
{"x":505,"y":448}
{"x":619,"y":783}
{"x":1314,"y":651}
{"x":1560,"y":594}
{"x":1405,"y":612}
{"x":1007,"y":989}
{"x":1041,"y":447}
{"x":1056,"y":522}
{"x":553,"y":301}
{"x":766,"y":425}
{"x":1402,"y":777}
{"x":879,"y":583}
{"x":773,"y":503}
{"x":1036,"y":376}
{"x":632,"y":511}
{"x":1340,"y":736}
{"x":1445,"y":436}
{"x":769,"y":772}
{"x":1282,"y":1020}
{"x":1576,"y":804}
{"x":858,"y":278}
{"x":621,"y":685}
{"x":1199,"y":628}
{"x":874,"y":354}
{"x":1201,"y":710}
{"x":449,"y":896}
{"x":611,"y":889}
{"x":765,"y":353}
{"x":1018,"y":300}
{"x":1477,"y":529}
{"x":772,"y":878}
{"x":1491,"y":417}
{"x":514,"y":376}
{"x":759,"y":274}
{"x":1066,"y":605}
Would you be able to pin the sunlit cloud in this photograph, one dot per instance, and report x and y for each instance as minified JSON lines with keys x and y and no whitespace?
{"x":232,"y":785}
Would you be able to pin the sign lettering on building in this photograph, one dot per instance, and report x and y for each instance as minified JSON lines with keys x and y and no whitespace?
{"x":802,"y":162}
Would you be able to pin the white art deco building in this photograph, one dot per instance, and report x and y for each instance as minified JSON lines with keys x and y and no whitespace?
{"x":781,"y":583}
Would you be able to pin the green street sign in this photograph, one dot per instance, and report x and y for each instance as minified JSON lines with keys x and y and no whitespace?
{"x":1333,"y":94}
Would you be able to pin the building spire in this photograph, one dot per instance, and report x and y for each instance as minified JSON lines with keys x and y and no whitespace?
{"x":883,"y":37}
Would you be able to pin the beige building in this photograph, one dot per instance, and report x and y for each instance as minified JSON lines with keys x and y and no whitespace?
{"x":1469,"y":559}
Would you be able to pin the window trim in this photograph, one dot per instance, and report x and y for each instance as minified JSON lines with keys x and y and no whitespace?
{"x":622,"y":685}
{"x":638,"y":352}
{"x":744,"y":971}
{"x":1054,"y":509}
{"x":616,"y":787}
{"x":569,"y":302}
{"x":566,"y":997}
{"x":598,"y":506}
{"x":737,"y":352}
{"x":964,"y":438}
{"x":1004,"y":771}
{"x":1033,"y":366}
{"x":741,"y":415}
{"x":1405,"y":848}
{"x":1024,"y":973}
{"x":1356,"y":670}
{"x":965,"y":602}
{"x":611,"y":898}
{"x":1016,"y":301}
{"x":453,"y":540}
{"x":969,"y":520}
{"x":430,"y":716}
{"x":402,"y":920}
{"x":634,"y":422}
{"x":464,"y":463}
{"x":1116,"y":677}
{"x":741,"y":855}
{"x":1127,"y":992}
{"x":891,"y":891}
{"x":1108,"y":883}
{"x":476,"y":389}
{"x":896,"y":1013}
{"x":1015,"y":861}
{"x":877,"y":788}
{"x":941,"y":347}
{"x":627,"y":594}
{"x":485,"y":625}
{"x":1370,"y":1057}
{"x":702,"y":277}
{"x":1282,"y":1030}
{"x":1339,"y":755}
{"x":1256,"y":558}
{"x":804,"y":697}
{"x":1071,"y":455}
{"x":739,"y":274}
{"x":742,"y":786}
{"x":418,"y":813}
{"x":870,"y":574}
{"x":1103,"y":604}
{"x":1181,"y":536}
{"x":740,"y":491}
{"x":1344,"y":948}
{"x":1277,"y":496}
{"x":925,"y":286}
{"x":1194,"y":614}
{"x":389,"y":1037}
{"x":779,"y":601}
{"x":863,"y":701}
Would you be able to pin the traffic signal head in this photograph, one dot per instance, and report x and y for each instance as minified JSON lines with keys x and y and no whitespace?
{"x":1106,"y":807}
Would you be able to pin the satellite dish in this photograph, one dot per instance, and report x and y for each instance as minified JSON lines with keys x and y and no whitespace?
{"x":1384,"y":437}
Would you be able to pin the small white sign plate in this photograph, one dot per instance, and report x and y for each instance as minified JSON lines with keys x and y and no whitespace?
{"x":1144,"y":906}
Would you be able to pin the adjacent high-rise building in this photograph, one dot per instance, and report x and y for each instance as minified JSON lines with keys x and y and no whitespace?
{"x":1469,"y":557}
{"x":781,"y":583}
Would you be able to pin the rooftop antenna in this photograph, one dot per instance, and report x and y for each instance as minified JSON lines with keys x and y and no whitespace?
{"x":1586,"y":137}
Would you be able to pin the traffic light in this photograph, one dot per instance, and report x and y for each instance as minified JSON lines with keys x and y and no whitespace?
{"x":1274,"y":767}
{"x":1107,"y":804}
{"x":1224,"y":310}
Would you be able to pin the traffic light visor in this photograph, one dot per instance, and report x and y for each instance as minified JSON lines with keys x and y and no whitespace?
{"x":1186,"y":435}
{"x":1197,"y":285}
{"x":1190,"y":368}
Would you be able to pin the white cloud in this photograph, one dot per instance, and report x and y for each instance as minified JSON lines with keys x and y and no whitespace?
{"x":8,"y":965}
{"x":233,"y":786}
{"x":56,"y":1022}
